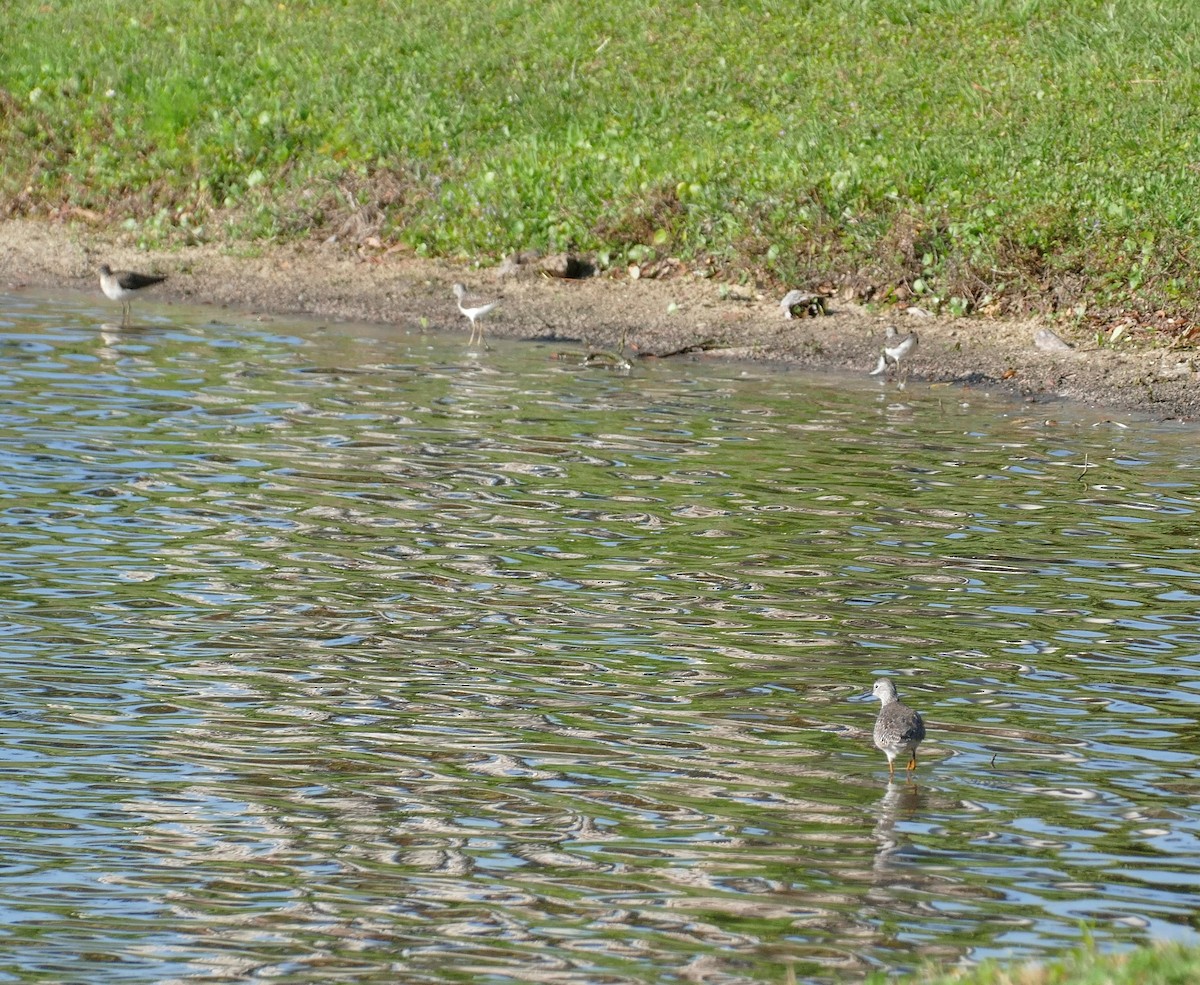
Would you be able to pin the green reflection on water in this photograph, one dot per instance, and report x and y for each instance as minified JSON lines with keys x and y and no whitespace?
{"x":343,"y":652}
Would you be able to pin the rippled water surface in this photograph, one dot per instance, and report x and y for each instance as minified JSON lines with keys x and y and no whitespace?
{"x":335,"y":653}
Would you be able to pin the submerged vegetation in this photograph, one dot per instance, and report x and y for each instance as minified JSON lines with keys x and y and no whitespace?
{"x":992,"y":155}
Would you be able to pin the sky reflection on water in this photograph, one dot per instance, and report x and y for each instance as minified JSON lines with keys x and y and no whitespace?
{"x":338,"y":651}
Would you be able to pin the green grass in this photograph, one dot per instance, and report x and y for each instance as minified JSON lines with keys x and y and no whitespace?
{"x":1165,"y":964}
{"x":1032,"y":153}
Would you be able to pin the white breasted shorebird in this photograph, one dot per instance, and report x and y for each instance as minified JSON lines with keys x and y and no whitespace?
{"x":898,"y":728}
{"x":895,"y":347}
{"x":121,"y":285}
{"x":473,"y":308}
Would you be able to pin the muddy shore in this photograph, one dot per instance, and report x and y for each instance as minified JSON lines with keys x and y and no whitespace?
{"x":667,"y":310}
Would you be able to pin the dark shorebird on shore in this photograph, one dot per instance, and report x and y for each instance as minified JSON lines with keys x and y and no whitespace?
{"x":804,"y":302}
{"x":473,"y":308}
{"x":898,"y":728}
{"x":895,"y":348}
{"x":121,"y":285}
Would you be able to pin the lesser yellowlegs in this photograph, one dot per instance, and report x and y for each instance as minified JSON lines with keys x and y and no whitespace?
{"x":473,"y":308}
{"x":895,"y":347}
{"x":898,"y":728}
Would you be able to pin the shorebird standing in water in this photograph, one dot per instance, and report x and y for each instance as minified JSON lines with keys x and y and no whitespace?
{"x":121,"y":285}
{"x":895,"y":347}
{"x":473,"y":308}
{"x":898,"y":728}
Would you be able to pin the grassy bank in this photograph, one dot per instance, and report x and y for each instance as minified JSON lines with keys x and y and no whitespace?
{"x":1166,"y":964}
{"x":976,"y":153}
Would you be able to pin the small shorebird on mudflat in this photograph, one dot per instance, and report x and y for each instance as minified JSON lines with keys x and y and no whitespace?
{"x":121,"y":285}
{"x":898,"y":728}
{"x":895,"y":347}
{"x":473,"y":308}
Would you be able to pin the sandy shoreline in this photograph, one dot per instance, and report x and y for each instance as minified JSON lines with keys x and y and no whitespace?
{"x":651,"y":315}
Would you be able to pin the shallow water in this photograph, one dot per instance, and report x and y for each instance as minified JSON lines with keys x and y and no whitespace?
{"x":343,"y":653}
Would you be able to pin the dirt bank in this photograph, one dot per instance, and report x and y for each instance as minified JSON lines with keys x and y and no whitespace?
{"x":652,"y":315}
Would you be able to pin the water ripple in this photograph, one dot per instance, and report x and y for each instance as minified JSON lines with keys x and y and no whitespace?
{"x":339,"y":653}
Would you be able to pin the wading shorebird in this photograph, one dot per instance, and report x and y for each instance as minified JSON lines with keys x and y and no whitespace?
{"x":898,"y":728}
{"x":473,"y":308}
{"x":895,"y":347}
{"x":121,"y":285}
